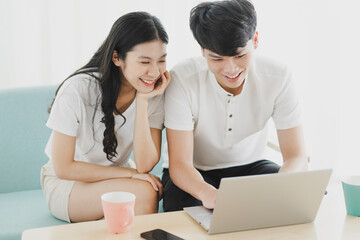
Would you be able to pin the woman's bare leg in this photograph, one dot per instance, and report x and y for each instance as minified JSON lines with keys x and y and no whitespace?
{"x":85,"y":198}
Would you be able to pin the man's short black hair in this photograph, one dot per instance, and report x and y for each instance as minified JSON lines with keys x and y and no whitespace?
{"x":223,"y":26}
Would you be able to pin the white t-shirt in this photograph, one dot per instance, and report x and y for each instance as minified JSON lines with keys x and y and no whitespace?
{"x":230,"y":130}
{"x":73,"y":114}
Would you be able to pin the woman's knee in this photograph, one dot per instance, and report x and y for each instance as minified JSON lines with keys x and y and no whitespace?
{"x":147,"y":198}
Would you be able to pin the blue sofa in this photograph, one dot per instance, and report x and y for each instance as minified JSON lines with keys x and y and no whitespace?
{"x":23,"y":136}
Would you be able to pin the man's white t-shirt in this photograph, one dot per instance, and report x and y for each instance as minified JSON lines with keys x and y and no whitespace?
{"x":230,"y":130}
{"x":73,"y":114}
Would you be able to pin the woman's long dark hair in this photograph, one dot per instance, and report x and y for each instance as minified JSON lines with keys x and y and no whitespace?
{"x":129,"y":30}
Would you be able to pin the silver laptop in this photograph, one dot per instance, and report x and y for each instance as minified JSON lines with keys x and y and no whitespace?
{"x":263,"y":201}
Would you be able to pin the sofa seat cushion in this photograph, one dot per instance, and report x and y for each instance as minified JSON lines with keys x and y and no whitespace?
{"x":23,"y":210}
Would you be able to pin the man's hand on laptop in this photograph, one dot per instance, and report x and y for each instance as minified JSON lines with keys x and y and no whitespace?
{"x":208,"y":197}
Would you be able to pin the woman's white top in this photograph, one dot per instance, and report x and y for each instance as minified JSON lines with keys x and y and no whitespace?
{"x":73,"y":113}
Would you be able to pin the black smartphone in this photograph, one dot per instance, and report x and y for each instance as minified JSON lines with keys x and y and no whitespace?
{"x":159,"y":234}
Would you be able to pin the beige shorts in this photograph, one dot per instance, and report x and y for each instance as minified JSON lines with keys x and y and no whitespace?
{"x":57,"y":192}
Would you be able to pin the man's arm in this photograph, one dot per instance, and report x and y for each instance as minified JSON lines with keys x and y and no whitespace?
{"x":292,"y":148}
{"x":182,"y":171}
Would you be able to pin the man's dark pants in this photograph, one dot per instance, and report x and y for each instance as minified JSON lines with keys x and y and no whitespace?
{"x":176,"y":199}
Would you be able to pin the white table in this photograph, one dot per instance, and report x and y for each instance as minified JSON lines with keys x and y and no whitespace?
{"x":332,"y":222}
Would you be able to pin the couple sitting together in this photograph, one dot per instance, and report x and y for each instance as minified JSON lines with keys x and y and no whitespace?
{"x":215,"y":109}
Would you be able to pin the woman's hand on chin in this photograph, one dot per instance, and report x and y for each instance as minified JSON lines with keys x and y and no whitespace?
{"x":159,"y":87}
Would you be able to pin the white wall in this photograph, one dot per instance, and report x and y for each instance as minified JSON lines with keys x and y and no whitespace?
{"x":42,"y":42}
{"x":319,"y":39}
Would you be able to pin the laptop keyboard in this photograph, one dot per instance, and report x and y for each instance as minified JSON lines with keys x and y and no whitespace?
{"x":204,"y":220}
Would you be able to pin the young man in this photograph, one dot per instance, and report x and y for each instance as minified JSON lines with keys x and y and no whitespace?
{"x":217,"y":108}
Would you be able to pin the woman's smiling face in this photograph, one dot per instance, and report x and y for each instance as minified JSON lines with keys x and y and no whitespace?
{"x":143,"y":65}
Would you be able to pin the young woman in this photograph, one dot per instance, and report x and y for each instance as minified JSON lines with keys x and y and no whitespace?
{"x":102,"y":112}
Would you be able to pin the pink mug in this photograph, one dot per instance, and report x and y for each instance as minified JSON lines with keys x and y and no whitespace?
{"x":118,"y":210}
